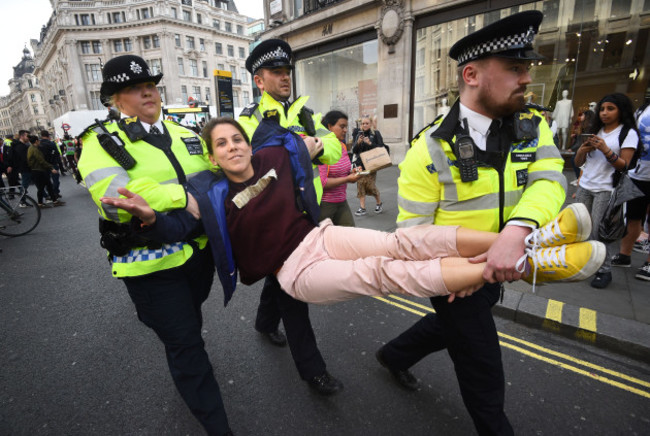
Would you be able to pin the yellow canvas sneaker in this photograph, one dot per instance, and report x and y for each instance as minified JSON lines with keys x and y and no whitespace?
{"x":572,"y":224}
{"x":565,"y":263}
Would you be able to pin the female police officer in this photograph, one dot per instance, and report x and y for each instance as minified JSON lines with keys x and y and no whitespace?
{"x":167,"y":283}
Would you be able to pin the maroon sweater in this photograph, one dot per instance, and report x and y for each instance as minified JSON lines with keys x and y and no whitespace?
{"x":265,"y":231}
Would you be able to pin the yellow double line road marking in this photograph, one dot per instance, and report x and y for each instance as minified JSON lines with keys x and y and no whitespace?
{"x":564,"y":361}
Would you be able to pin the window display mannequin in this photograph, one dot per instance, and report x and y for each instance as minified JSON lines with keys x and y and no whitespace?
{"x":562,"y":115}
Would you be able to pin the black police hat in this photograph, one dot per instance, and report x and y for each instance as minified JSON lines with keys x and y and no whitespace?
{"x":123,"y":71}
{"x":511,"y":37}
{"x":271,"y":53}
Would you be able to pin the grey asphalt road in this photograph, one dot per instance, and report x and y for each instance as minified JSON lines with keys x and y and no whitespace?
{"x":76,"y":361}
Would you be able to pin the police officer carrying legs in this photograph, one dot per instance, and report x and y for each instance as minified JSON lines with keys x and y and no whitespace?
{"x":167,"y":282}
{"x":270,"y":63}
{"x":489,"y":139}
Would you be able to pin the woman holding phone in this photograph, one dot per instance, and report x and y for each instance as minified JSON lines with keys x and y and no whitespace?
{"x":609,"y":147}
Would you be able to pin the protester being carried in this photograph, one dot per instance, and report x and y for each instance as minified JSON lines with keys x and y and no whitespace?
{"x":269,"y":234}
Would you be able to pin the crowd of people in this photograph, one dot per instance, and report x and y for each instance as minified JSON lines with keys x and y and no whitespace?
{"x":27,"y":159}
{"x":264,"y":197}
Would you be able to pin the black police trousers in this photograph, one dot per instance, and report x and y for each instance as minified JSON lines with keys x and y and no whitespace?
{"x":169,"y":302}
{"x":275,"y":304}
{"x":466,"y":329}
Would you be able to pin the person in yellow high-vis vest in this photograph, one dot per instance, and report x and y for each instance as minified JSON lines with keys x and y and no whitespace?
{"x":489,"y":164}
{"x":270,"y":63}
{"x":166,"y":282}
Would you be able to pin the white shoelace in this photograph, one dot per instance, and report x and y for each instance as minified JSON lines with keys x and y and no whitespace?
{"x":544,"y":257}
{"x":548,"y":235}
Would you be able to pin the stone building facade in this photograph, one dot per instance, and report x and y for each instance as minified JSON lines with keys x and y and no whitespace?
{"x":185,"y":39}
{"x":23,"y":108}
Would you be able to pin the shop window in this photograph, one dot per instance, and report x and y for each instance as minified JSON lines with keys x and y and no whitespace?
{"x":584,"y":10}
{"x":551,"y":10}
{"x":345,"y":79}
{"x":613,"y":46}
{"x":491,"y":17}
{"x":620,"y":8}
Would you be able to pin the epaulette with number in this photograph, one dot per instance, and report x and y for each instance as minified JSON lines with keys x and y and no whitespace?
{"x":249,"y":110}
{"x":427,"y":127}
{"x":537,"y":107}
{"x":90,"y":128}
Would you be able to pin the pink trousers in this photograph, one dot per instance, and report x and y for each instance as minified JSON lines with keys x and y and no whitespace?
{"x":334,"y":264}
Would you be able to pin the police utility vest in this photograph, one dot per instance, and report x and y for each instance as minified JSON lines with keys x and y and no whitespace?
{"x":526,"y":185}
{"x":161,"y":164}
{"x":298,"y":119}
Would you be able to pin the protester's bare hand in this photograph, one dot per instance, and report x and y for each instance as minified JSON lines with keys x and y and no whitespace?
{"x":314,"y":145}
{"x":192,"y":206}
{"x":504,"y":254}
{"x":133,"y":204}
{"x":463,"y":293}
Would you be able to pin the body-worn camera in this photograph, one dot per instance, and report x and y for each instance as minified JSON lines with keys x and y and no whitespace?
{"x":466,"y":161}
{"x":524,"y":126}
{"x":114,"y":146}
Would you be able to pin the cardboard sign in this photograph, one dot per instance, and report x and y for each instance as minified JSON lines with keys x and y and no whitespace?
{"x":375,"y":159}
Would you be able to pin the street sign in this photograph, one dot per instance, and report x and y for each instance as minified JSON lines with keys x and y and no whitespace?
{"x":223,"y":83}
{"x":65,"y":127}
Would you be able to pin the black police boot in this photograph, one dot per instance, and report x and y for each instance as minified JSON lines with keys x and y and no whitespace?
{"x":405,"y":378}
{"x":325,"y":384}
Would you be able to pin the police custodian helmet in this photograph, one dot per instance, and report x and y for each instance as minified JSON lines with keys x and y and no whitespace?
{"x":123,"y":71}
{"x":511,"y":37}
{"x":271,"y":53}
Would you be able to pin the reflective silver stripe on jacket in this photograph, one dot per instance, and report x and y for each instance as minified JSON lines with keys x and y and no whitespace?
{"x":412,"y":222}
{"x":552,"y":176}
{"x":484,"y":202}
{"x":322,"y":132}
{"x":417,"y":207}
{"x":121,"y":179}
{"x":440,"y":161}
{"x":258,"y":115}
{"x":547,"y":152}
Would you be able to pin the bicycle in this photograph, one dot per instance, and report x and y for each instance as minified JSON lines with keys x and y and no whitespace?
{"x":19,"y":213}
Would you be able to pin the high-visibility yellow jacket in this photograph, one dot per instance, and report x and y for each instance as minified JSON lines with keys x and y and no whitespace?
{"x":254,"y":113}
{"x":530,"y":188}
{"x":154,"y":178}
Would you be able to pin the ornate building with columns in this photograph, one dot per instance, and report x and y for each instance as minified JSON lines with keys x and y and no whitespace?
{"x":185,"y":39}
{"x":23,"y":108}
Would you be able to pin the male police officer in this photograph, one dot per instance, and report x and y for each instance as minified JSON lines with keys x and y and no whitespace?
{"x":270,"y":64}
{"x":466,"y":170}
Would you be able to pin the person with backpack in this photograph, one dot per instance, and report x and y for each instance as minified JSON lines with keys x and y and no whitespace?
{"x":636,"y":209}
{"x":610,"y":149}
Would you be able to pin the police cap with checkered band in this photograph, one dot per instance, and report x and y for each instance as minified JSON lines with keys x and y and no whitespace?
{"x":512,"y":37}
{"x":271,"y":53}
{"x":123,"y":71}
